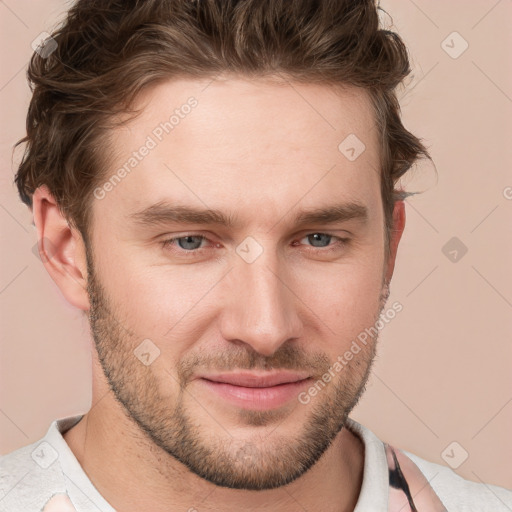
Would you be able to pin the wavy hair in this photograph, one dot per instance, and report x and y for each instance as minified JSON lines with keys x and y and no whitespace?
{"x":108,"y":51}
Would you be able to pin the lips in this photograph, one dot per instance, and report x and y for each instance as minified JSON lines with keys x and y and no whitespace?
{"x":255,"y":390}
{"x":254,"y":380}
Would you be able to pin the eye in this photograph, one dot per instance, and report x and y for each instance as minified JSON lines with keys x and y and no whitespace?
{"x":322,"y":240}
{"x":191,"y":244}
{"x":319,"y":238}
{"x":187,"y":243}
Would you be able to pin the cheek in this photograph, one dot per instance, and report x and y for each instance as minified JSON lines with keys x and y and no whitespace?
{"x":345,"y":298}
{"x":167,"y":304}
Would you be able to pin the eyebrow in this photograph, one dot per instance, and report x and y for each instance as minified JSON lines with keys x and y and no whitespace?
{"x":163,"y":213}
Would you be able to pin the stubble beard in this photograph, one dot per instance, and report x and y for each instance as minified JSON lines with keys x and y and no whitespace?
{"x":262,"y":462}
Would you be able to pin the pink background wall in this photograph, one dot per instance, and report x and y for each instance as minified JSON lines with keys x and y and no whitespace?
{"x":444,"y":372}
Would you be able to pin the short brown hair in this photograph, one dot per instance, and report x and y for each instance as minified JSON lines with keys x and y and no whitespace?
{"x":109,"y":50}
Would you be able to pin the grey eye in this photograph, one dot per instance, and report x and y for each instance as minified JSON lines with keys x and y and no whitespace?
{"x":319,"y":238}
{"x":190,"y":242}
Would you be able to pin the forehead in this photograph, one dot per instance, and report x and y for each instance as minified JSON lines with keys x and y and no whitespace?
{"x":237,"y":144}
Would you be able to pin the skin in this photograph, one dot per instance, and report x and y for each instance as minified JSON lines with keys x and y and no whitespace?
{"x":257,"y":150}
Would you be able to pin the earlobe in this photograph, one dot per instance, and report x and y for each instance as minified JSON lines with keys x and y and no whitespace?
{"x":61,"y":249}
{"x":395,"y":236}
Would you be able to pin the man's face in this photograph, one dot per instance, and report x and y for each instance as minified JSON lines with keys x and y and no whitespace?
{"x":187,"y":332}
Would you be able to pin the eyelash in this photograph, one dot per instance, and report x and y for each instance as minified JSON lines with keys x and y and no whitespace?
{"x":194,"y":252}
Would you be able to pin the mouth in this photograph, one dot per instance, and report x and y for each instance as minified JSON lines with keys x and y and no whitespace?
{"x":256,"y":391}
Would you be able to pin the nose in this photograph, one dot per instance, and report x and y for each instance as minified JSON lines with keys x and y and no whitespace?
{"x":261,"y":308}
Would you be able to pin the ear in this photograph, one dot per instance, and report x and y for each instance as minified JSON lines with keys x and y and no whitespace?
{"x":61,"y":249}
{"x":395,"y":236}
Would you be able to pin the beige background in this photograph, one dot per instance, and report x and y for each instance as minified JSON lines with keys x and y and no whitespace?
{"x":444,"y":371}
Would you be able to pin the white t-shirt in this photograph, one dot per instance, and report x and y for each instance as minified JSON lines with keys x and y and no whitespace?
{"x":32,"y":475}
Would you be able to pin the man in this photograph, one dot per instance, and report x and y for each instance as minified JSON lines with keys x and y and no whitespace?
{"x":213,"y":184}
